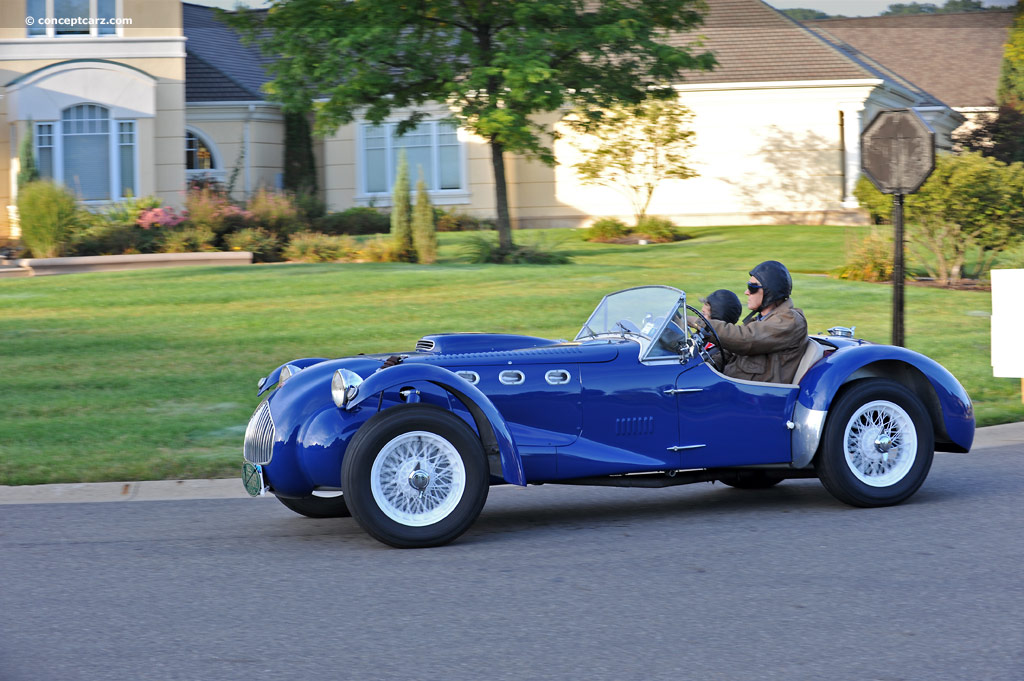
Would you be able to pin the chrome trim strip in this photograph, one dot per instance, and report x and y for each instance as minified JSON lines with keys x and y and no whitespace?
{"x":679,"y":448}
{"x":471,"y":376}
{"x":809,"y":425}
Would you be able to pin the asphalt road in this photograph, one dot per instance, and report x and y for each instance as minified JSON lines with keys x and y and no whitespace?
{"x":700,"y":582}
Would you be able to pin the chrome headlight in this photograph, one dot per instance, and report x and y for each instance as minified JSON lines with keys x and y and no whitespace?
{"x":287,"y":371}
{"x":344,"y":386}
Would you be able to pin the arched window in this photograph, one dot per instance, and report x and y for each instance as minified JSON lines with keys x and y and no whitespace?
{"x":198,"y":156}
{"x":97,"y":153}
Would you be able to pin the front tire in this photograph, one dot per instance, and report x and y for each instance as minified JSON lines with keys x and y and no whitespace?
{"x":415,"y":476}
{"x":878,"y":445}
{"x":318,"y":507}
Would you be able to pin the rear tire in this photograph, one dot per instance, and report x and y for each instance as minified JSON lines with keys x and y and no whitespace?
{"x":415,"y":476}
{"x":878,"y":445}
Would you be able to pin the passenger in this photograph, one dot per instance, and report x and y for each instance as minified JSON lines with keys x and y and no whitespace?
{"x":771,"y":342}
{"x":723,"y":305}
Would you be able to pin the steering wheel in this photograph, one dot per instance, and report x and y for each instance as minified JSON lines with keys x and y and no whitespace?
{"x":697,"y":343}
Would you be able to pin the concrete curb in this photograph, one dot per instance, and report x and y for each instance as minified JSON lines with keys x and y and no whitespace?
{"x":111,"y":263}
{"x":231,"y":488}
{"x":149,"y":490}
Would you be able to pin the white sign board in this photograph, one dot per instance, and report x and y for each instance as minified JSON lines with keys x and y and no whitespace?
{"x":1007,"y":324}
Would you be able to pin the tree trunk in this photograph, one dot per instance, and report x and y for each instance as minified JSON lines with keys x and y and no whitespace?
{"x":504,"y":224}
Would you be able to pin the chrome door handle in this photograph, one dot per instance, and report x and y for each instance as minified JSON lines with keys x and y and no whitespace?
{"x":679,"y":448}
{"x":676,"y":391}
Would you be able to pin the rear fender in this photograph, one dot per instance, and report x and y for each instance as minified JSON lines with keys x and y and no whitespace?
{"x":494,"y":432}
{"x":946,"y":401}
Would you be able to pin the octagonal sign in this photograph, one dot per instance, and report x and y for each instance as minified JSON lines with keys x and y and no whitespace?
{"x":897,"y":151}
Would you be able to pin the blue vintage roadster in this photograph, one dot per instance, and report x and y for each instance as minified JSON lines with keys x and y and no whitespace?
{"x":409,"y":444}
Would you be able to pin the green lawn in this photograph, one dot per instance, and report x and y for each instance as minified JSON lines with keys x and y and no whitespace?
{"x":152,"y":374}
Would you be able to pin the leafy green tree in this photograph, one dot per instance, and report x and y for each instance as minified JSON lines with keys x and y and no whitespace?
{"x":29,"y":172}
{"x":401,"y":219}
{"x":801,"y":14}
{"x":633,"y":149}
{"x":1011,"y":75}
{"x":424,"y":227}
{"x":1002,"y":136}
{"x":494,"y":63}
{"x":970,"y":202}
{"x":299,"y":163}
{"x":930,"y":8}
{"x":963,"y":6}
{"x":904,"y":8}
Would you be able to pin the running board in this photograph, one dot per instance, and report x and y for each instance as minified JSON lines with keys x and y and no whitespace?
{"x":681,"y":477}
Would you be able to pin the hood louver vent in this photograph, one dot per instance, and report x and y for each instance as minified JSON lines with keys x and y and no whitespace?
{"x":424,"y":345}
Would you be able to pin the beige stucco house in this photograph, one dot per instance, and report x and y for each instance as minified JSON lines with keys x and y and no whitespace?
{"x":138,"y":108}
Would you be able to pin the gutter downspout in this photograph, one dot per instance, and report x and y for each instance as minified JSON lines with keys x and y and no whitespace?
{"x":247,"y":150}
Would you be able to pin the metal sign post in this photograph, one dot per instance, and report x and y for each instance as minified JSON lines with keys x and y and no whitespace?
{"x":898,"y":272}
{"x":897,"y":150}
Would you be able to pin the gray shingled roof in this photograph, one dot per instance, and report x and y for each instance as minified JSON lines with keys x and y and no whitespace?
{"x":755,"y":43}
{"x":752,"y":42}
{"x":223,"y":68}
{"x":204,"y":83}
{"x":956,"y":57}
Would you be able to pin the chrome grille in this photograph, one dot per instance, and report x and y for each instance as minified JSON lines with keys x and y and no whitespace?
{"x":259,"y":436}
{"x":424,"y":345}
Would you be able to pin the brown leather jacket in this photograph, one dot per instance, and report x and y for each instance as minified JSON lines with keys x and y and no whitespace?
{"x":768,"y":350}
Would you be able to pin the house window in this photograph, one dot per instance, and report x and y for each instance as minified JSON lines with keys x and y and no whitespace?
{"x":197,"y":153}
{"x":69,"y":18}
{"x":85,"y":131}
{"x":126,"y":157}
{"x":90,"y":153}
{"x":44,"y":149}
{"x":432,"y":149}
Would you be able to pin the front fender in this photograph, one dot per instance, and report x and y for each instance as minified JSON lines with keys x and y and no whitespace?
{"x":270,"y":380}
{"x":946,"y":400}
{"x":494,"y":432}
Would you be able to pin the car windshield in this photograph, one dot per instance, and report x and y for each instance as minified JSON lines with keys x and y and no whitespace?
{"x":641,"y":313}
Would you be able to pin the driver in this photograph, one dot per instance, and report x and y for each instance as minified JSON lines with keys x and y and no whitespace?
{"x":771,"y":342}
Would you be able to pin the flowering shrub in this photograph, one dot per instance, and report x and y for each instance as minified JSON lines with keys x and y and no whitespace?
{"x":869,"y":259}
{"x":188,"y":240}
{"x":159,"y":217}
{"x":263,"y":245}
{"x":316,"y":247}
{"x":275,"y":212}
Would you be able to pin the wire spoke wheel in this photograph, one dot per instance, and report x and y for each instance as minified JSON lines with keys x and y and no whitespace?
{"x":880,"y":443}
{"x":415,"y":475}
{"x":877,"y":445}
{"x":418,"y":478}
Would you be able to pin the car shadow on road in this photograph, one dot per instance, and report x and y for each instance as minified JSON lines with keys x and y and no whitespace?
{"x":564,"y":506}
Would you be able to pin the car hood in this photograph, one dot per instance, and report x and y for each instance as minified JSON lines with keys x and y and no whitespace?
{"x":457,"y":350}
{"x":472,"y":349}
